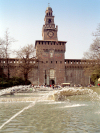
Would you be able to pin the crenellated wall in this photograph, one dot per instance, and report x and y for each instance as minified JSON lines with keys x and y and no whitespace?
{"x":14,"y":66}
{"x":74,"y":70}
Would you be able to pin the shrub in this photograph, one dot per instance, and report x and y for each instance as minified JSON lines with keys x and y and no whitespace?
{"x":4,"y":83}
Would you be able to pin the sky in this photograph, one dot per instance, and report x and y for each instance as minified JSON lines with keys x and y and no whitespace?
{"x":76,"y":20}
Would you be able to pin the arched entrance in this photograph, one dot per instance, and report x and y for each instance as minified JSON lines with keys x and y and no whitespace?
{"x":52,"y":82}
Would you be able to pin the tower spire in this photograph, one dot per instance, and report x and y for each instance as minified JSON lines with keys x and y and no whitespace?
{"x":49,"y":31}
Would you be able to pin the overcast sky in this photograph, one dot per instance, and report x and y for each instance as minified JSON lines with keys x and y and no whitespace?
{"x":76,"y":20}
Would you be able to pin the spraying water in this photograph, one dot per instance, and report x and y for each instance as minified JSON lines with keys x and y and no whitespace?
{"x":32,"y":104}
{"x":63,"y":94}
{"x":14,"y":89}
{"x":56,"y":100}
{"x":19,"y":99}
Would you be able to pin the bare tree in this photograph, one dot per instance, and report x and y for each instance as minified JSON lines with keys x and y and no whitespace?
{"x":26,"y":60}
{"x":1,"y":48}
{"x":92,"y":56}
{"x":5,"y":50}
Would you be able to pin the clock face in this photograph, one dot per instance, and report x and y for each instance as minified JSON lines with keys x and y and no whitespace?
{"x":50,"y":34}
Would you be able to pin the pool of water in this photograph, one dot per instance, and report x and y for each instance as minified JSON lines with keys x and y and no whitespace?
{"x":40,"y":114}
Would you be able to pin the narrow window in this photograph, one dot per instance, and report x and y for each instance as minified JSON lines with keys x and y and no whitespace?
{"x":51,"y":61}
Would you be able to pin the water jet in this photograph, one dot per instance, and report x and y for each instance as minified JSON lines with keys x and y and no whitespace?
{"x":51,"y":111}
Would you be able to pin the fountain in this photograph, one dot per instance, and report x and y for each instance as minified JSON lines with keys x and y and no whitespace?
{"x":46,"y":110}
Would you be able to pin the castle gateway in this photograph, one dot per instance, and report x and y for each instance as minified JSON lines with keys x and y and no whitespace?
{"x":53,"y":68}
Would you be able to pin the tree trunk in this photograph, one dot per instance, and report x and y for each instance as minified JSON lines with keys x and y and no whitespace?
{"x":8,"y":72}
{"x":26,"y":78}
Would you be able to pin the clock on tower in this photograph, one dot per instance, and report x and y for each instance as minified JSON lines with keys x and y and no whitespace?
{"x":49,"y":31}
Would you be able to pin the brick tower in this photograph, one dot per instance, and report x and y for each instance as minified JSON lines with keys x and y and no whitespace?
{"x":50,"y":53}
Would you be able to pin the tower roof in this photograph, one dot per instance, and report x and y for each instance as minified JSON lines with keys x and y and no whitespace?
{"x":49,"y":8}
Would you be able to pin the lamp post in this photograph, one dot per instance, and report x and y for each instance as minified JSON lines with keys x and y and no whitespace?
{"x":45,"y":77}
{"x":89,"y":79}
{"x":38,"y":71}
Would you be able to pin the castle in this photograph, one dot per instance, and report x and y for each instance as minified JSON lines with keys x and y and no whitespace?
{"x":52,"y":67}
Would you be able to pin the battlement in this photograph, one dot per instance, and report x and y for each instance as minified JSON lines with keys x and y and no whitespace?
{"x":76,"y":63}
{"x":13,"y":62}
